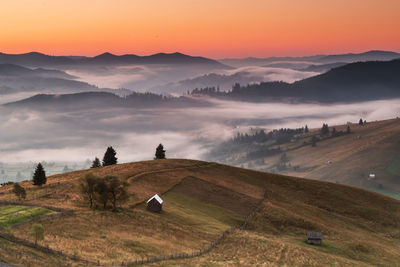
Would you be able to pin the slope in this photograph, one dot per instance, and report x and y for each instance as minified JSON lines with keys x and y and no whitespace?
{"x":353,"y":82}
{"x":372,"y":148}
{"x":203,"y":199}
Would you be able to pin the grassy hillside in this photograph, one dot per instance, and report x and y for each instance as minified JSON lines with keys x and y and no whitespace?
{"x":349,"y":159}
{"x":203,"y":199}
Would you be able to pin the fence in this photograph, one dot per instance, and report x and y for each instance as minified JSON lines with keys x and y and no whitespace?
{"x":201,"y":251}
{"x":128,"y":263}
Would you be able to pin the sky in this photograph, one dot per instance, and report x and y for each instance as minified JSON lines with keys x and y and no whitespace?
{"x":212,"y":28}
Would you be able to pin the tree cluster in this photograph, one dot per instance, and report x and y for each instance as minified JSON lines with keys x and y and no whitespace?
{"x":325,"y":129}
{"x":280,"y":136}
{"x":109,"y":158}
{"x":101,"y":191}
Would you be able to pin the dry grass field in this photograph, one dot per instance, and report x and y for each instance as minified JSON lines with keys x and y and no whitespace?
{"x":371,"y":148}
{"x":201,"y":200}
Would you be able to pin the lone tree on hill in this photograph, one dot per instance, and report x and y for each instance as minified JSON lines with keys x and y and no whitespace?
{"x":101,"y":193}
{"x":88,"y":186}
{"x":37,"y":231}
{"x":116,"y":190}
{"x":39,"y":177}
{"x":348,"y":129}
{"x":160,"y":152}
{"x":19,"y":191}
{"x":110,"y":157}
{"x":96,"y":163}
{"x":361,"y":122}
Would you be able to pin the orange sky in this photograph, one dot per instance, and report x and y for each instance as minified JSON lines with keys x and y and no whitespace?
{"x":213,"y":28}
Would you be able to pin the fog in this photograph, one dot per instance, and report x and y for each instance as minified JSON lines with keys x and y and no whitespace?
{"x":28,"y":135}
{"x":268,"y":74}
{"x":180,"y":79}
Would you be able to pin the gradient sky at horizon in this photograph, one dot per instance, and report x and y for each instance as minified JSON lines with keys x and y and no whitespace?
{"x":218,"y":29}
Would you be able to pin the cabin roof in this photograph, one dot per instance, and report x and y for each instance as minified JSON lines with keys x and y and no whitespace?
{"x":157,"y":197}
{"x":317,"y":235}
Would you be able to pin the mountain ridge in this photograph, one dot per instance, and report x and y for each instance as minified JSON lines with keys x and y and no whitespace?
{"x":40,"y":59}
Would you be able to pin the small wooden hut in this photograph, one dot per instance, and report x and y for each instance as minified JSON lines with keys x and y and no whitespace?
{"x":314,"y":238}
{"x":155,"y":203}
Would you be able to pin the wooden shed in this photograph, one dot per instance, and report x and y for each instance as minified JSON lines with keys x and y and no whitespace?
{"x":314,"y":238}
{"x":155,"y":203}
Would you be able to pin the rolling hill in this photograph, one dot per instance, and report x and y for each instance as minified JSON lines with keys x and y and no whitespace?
{"x":202,"y":200}
{"x":322,"y":59}
{"x":353,"y":82}
{"x":106,"y":99}
{"x":372,"y":148}
{"x":16,"y":70}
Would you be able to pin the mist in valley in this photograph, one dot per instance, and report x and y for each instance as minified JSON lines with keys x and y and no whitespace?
{"x":74,"y":136}
{"x":83,"y":126}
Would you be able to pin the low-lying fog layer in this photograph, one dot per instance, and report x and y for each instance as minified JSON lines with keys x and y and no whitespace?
{"x":167,"y":79}
{"x":185,"y":133}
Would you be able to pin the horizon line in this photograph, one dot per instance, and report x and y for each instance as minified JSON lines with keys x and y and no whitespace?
{"x":215,"y":58}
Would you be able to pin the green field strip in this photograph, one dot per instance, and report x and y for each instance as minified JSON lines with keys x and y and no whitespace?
{"x":12,"y":215}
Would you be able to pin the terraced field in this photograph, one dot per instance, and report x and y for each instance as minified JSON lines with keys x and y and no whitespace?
{"x":12,"y":215}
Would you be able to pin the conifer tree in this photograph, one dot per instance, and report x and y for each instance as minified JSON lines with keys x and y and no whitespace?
{"x":160,"y":152}
{"x":39,"y":177}
{"x":96,"y":163}
{"x":306,"y":129}
{"x":361,"y":122}
{"x":110,"y":157}
{"x":348,"y":129}
{"x":325,"y":129}
{"x":333,"y":132}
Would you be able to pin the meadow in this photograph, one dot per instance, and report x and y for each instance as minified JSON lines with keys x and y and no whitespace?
{"x":203,"y":199}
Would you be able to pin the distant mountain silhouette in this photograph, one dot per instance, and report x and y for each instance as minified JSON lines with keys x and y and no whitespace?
{"x":101,"y":100}
{"x":16,"y":70}
{"x":349,"y":83}
{"x":16,"y":79}
{"x":35,"y":59}
{"x":87,"y":99}
{"x":323,"y":67}
{"x":348,"y":58}
{"x":41,"y":60}
{"x":367,"y":56}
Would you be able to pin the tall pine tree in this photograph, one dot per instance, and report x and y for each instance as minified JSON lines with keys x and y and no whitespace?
{"x":39,"y":177}
{"x":160,"y":152}
{"x":110,"y":157}
{"x":96,"y":163}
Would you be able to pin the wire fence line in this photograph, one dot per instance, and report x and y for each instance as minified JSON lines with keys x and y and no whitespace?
{"x":201,"y":251}
{"x":145,"y":260}
{"x":60,"y":212}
